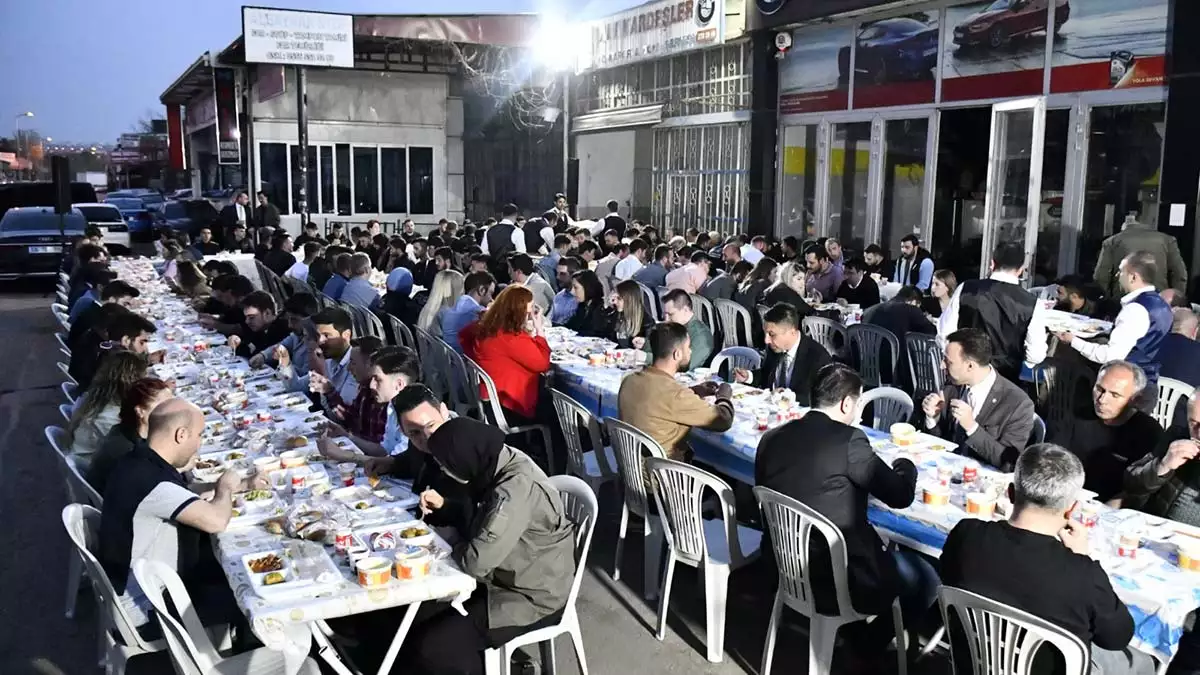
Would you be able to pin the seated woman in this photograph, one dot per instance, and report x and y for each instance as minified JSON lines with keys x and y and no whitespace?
{"x":591,"y":318}
{"x":788,"y":288}
{"x":754,"y":285}
{"x":398,"y":300}
{"x":191,"y":280}
{"x":98,"y":410}
{"x":508,"y":342}
{"x":519,"y":545}
{"x":632,"y":321}
{"x":447,"y":288}
{"x":132,"y":428}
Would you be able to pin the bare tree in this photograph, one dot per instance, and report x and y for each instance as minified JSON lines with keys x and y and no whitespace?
{"x":145,"y":122}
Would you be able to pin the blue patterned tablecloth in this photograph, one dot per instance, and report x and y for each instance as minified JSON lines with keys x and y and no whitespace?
{"x":1159,"y":594}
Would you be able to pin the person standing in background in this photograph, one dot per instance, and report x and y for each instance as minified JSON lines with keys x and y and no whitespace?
{"x":613,"y":221}
{"x":267,"y":214}
{"x":1170,"y":270}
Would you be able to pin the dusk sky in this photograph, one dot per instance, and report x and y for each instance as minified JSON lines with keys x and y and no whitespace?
{"x":89,"y":69}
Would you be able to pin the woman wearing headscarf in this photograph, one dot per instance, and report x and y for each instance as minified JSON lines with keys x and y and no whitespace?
{"x":519,"y":544}
{"x":398,"y":300}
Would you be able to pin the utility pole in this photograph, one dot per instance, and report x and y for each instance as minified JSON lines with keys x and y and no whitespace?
{"x":302,"y":137}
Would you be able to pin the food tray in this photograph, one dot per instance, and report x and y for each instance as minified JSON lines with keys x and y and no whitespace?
{"x":293,"y":583}
{"x":362,"y":537}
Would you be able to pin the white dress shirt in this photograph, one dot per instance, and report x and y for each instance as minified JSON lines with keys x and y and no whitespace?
{"x":628,"y":267}
{"x":518,"y":237}
{"x":1036,"y":338}
{"x":298,"y":271}
{"x":241,"y":212}
{"x":790,"y":365}
{"x":1132,"y":323}
{"x":751,"y":254}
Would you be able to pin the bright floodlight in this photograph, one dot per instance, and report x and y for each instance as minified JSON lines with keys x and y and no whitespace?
{"x":556,"y":45}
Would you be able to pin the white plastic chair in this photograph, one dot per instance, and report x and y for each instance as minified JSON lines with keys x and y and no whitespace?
{"x":66,"y":410}
{"x":650,"y":300}
{"x":828,"y":333}
{"x":1038,"y":435}
{"x":191,"y":649}
{"x":490,"y":409}
{"x":78,"y":492}
{"x":791,"y":526}
{"x":891,"y":405}
{"x":119,"y":639}
{"x":714,"y":547}
{"x":703,"y":308}
{"x":63,"y":315}
{"x":70,"y":391}
{"x":737,"y":357}
{"x":62,"y":345}
{"x":596,"y":466}
{"x":66,"y":371}
{"x":580,"y":505}
{"x":631,"y":446}
{"x":431,"y":362}
{"x":1003,"y":640}
{"x":1170,"y":393}
{"x":867,"y":343}
{"x":735,"y":323}
{"x":463,"y":395}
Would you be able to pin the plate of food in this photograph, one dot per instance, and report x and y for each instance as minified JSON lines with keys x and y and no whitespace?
{"x":208,"y":470}
{"x":254,"y":500}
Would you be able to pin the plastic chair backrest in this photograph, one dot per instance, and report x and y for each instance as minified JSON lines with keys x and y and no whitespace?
{"x":703,"y":308}
{"x":630,"y":446}
{"x":368,"y":321}
{"x":401,"y":335}
{"x":70,"y":391}
{"x":867,"y":342}
{"x":66,"y":410}
{"x":736,"y":357}
{"x":1170,"y":393}
{"x":888,"y":406}
{"x":82,"y":523}
{"x":185,"y":635}
{"x":462,"y":388}
{"x":66,"y":371}
{"x":1058,"y":384}
{"x":924,"y":363}
{"x":1038,"y":435}
{"x":735,"y":323}
{"x":1003,"y":640}
{"x":827,"y":333}
{"x":679,"y":492}
{"x":581,"y":506}
{"x":571,"y":417}
{"x":489,"y":407}
{"x":650,"y":300}
{"x":431,"y":366}
{"x":791,"y":526}
{"x":78,"y":489}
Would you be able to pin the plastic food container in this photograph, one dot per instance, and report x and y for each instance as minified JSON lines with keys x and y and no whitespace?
{"x":903,"y":433}
{"x":346,"y":471}
{"x":595,"y":359}
{"x":1189,"y":555}
{"x":413,"y":563}
{"x":374,"y":571}
{"x":981,"y":504}
{"x":936,"y":495}
{"x":267,"y":464}
{"x":292,"y":459}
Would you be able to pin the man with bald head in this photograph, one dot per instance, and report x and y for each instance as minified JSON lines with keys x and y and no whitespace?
{"x":1179,"y":352}
{"x":1111,"y":431}
{"x":149,"y":512}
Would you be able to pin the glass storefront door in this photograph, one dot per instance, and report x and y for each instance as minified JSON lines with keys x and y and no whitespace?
{"x":1014,"y":176}
{"x":849,"y":173}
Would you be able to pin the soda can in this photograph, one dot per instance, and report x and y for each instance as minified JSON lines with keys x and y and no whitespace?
{"x":343,"y":539}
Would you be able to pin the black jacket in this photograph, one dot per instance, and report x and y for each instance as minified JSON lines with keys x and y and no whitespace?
{"x":787,"y":295}
{"x":616,"y":224}
{"x":1003,"y":311}
{"x":254,"y":342}
{"x":866,"y":295}
{"x":266,"y":215}
{"x":810,"y":357}
{"x":279,"y":261}
{"x":592,"y":320}
{"x":834,"y":475}
{"x":901,"y":319}
{"x":228,"y":216}
{"x":627,"y":341}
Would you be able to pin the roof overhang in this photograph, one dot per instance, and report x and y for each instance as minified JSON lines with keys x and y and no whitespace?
{"x":197,"y":79}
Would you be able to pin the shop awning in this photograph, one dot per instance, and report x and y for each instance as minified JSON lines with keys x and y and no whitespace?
{"x":197,"y":79}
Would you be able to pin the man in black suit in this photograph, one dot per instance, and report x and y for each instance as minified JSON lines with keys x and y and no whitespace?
{"x":858,"y":288}
{"x":901,"y":315}
{"x":793,"y":358}
{"x":237,"y":211}
{"x":613,"y":221}
{"x":266,"y":214}
{"x":988,"y":416}
{"x":835,"y":474}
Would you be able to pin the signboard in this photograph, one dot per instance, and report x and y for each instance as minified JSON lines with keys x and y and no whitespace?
{"x":652,"y":31}
{"x":125,"y":156}
{"x":291,"y":38}
{"x":1109,"y":45}
{"x":229,"y":144}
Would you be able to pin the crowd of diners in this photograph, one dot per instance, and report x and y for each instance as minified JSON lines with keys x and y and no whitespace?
{"x":490,"y":291}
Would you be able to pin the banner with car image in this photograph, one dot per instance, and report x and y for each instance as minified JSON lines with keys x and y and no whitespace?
{"x":1110,"y":44}
{"x":810,"y":79}
{"x":997,"y":48}
{"x":895,"y":60}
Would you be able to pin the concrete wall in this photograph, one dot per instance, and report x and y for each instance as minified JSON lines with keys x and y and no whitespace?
{"x":376,"y":108}
{"x":614,"y":165}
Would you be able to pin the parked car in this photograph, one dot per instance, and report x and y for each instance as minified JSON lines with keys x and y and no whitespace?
{"x":185,"y":193}
{"x":1002,"y":20}
{"x":189,"y":215}
{"x":140,"y":219}
{"x":33,"y":240}
{"x":890,"y":50}
{"x":108,"y":218}
{"x":37,"y":193}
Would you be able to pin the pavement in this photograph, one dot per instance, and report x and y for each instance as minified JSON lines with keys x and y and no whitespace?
{"x":36,"y":638}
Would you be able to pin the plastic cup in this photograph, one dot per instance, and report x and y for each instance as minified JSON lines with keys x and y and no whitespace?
{"x":981,"y":504}
{"x":347,"y":471}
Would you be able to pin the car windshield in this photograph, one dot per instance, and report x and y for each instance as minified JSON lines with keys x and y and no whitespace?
{"x":152,"y":198}
{"x":32,"y":221}
{"x":126,"y":204}
{"x":174,"y":210}
{"x":100,"y":214}
{"x":998,"y":5}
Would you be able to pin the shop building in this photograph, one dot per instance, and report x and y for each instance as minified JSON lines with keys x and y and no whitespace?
{"x":1042,"y":121}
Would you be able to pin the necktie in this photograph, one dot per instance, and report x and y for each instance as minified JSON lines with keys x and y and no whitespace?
{"x":781,"y":375}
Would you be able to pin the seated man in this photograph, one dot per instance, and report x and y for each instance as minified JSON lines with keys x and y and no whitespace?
{"x":364,"y":417}
{"x":1038,"y":562}
{"x":261,"y":327}
{"x":329,"y":363}
{"x":1179,"y":353}
{"x":122,"y":330}
{"x":1078,"y":295}
{"x":341,"y":272}
{"x":117,"y":292}
{"x":901,"y":315}
{"x":358,"y":290}
{"x":986,"y":415}
{"x":521,"y":271}
{"x":793,"y":358}
{"x":565,"y":304}
{"x":231,"y":316}
{"x":93,"y":277}
{"x":389,"y":371}
{"x":297,"y":310}
{"x":651,"y":400}
{"x":149,"y":512}
{"x":478,"y":288}
{"x":858,"y":288}
{"x":1109,"y":431}
{"x":835,"y":474}
{"x":677,"y":308}
{"x":1166,"y":481}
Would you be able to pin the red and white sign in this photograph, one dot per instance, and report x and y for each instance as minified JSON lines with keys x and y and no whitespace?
{"x":653,"y":30}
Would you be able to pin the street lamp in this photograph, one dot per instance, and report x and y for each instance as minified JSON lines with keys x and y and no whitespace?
{"x":17,"y":133}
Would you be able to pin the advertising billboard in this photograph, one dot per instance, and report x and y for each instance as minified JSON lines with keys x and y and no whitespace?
{"x":653,"y":30}
{"x":810,"y":79}
{"x":895,"y":60}
{"x":291,"y":38}
{"x":995,"y":49}
{"x":1110,"y":44}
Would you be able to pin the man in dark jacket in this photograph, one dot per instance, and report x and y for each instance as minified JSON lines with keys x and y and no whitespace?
{"x":266,"y":214}
{"x":901,"y":315}
{"x":858,"y":288}
{"x":835,"y":474}
{"x":237,"y":211}
{"x":793,"y":359}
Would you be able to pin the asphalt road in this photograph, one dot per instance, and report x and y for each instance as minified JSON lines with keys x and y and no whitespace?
{"x":35,"y":637}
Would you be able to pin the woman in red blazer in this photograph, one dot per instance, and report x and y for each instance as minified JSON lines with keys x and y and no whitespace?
{"x":509,"y":343}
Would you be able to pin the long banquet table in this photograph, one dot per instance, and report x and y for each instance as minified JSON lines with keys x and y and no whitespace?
{"x":1159,"y":594}
{"x":290,"y":616}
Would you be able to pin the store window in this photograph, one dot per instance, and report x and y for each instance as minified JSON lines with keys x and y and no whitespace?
{"x":314,"y":181}
{"x":344,"y":201}
{"x":273,"y":174}
{"x":366,"y":180}
{"x":420,"y":181}
{"x":327,"y":184}
{"x":799,"y":181}
{"x":849,"y":164}
{"x":904,"y":143}
{"x":392,"y":169}
{"x":1050,"y":212}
